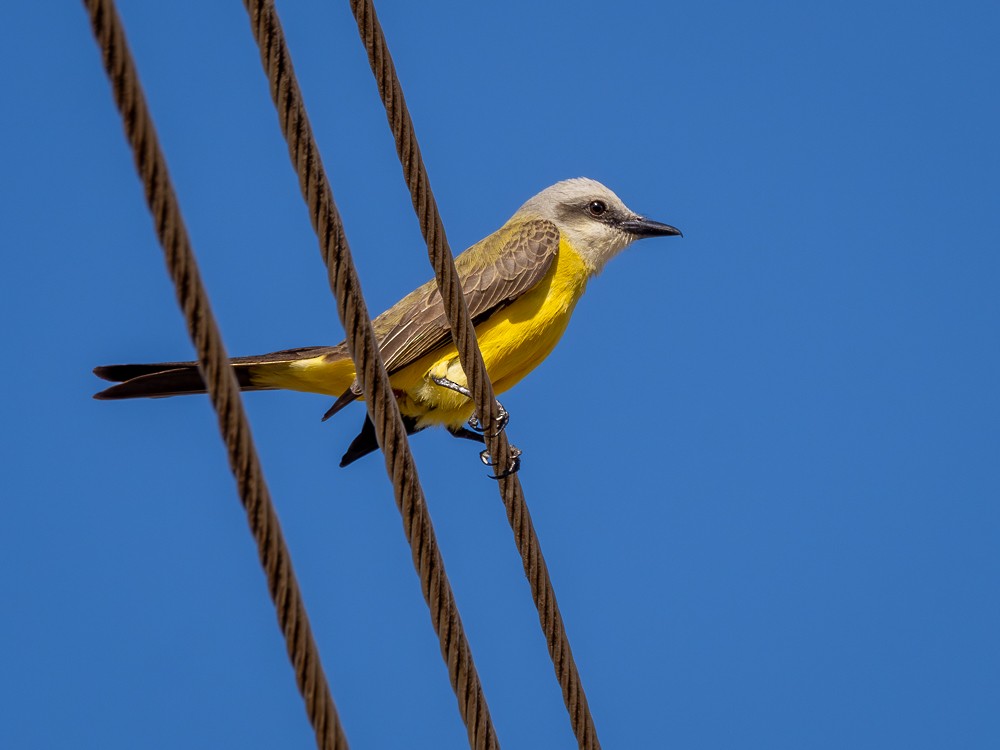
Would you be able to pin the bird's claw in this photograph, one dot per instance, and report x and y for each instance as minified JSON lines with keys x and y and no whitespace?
{"x":512,"y":467}
{"x":503,"y":417}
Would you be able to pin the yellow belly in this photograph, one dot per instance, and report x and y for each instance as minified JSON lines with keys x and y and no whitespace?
{"x":513,"y":341}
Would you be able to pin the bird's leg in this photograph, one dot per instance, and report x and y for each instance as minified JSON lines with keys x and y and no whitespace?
{"x":476,"y":433}
{"x":512,"y":467}
{"x":451,"y":385}
{"x":503,"y":417}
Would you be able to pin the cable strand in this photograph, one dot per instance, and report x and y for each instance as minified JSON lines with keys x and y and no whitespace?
{"x":379,"y":398}
{"x":464,"y":335}
{"x":219,"y":379}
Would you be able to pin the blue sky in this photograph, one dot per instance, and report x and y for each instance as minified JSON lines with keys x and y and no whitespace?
{"x":763,"y":461}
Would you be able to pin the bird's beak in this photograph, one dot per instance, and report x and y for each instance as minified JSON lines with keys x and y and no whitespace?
{"x":642,"y":227}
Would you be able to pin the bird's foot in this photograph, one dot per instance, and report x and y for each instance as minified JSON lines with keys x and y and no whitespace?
{"x":512,"y":467}
{"x":503,"y":417}
{"x":466,"y":433}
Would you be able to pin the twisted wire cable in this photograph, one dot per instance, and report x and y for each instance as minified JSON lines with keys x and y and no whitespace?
{"x":379,"y":398}
{"x":464,"y":335}
{"x":219,"y":379}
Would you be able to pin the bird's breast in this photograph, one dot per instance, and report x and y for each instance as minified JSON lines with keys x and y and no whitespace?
{"x":518,"y":337}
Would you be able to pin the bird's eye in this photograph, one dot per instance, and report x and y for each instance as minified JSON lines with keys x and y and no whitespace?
{"x":597,"y":208}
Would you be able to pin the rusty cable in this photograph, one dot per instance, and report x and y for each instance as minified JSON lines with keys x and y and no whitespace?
{"x":471,"y":358}
{"x":380,"y":400}
{"x":218,"y":375}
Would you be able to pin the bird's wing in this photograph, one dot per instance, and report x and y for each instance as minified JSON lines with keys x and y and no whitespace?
{"x":494,"y":272}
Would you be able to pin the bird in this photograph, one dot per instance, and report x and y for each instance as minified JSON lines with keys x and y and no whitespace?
{"x":521,"y":285}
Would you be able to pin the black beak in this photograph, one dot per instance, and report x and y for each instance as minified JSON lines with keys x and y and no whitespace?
{"x":641,"y":227}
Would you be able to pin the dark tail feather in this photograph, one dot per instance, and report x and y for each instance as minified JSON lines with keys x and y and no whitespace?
{"x":346,"y":398}
{"x":157,"y":381}
{"x":180,"y":378}
{"x":366,"y":443}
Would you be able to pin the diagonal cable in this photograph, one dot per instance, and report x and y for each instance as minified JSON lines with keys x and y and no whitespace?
{"x":471,"y":358}
{"x":379,"y":398}
{"x":218,"y":375}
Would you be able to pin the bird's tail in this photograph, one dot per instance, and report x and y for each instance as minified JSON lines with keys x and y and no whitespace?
{"x":314,"y":368}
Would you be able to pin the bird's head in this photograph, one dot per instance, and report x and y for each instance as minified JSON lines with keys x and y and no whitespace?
{"x":593,"y":219}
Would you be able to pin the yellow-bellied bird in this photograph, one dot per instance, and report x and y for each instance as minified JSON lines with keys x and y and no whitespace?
{"x":521,"y":284}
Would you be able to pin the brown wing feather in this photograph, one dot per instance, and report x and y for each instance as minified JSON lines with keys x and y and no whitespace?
{"x":494,"y":272}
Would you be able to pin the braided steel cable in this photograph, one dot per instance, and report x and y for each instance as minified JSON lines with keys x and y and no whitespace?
{"x":464,"y":335}
{"x":218,"y":375}
{"x":379,"y":398}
